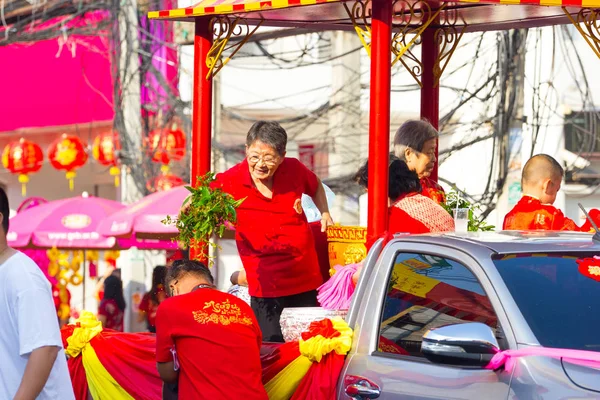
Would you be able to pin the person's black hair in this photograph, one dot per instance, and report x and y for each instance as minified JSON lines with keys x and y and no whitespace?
{"x":4,"y":210}
{"x":401,"y":179}
{"x":182,"y":267}
{"x":113,"y":289}
{"x":158,"y":278}
{"x":270,"y":133}
{"x":413,"y":134}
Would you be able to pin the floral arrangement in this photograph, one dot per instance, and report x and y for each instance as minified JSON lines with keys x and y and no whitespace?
{"x":454,"y":201}
{"x":204,"y":213}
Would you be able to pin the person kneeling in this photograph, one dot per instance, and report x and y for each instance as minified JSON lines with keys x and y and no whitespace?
{"x":207,"y":340}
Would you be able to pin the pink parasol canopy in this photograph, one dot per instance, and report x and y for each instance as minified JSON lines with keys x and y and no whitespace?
{"x":71,"y":223}
{"x":143,"y":218}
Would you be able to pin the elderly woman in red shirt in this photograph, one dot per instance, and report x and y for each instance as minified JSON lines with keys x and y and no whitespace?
{"x":272,"y":234}
{"x":415,"y":143}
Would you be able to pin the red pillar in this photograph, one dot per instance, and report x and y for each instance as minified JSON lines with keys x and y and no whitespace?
{"x":201,"y":102}
{"x":379,"y":118}
{"x":430,"y":94}
{"x":201,"y":108}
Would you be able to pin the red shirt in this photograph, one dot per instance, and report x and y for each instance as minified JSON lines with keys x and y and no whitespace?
{"x":217,"y":340}
{"x":112,"y":312}
{"x":431,"y":189}
{"x":529,"y":214}
{"x":273,"y":237}
{"x":149,"y":306}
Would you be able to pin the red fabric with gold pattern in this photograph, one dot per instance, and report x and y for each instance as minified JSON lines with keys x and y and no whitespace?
{"x":431,"y":189}
{"x":529,"y":214}
{"x":590,"y":267}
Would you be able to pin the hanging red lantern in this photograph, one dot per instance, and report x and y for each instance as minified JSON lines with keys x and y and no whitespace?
{"x":164,"y":182}
{"x":23,"y":157}
{"x":67,"y":153}
{"x":105,"y":150}
{"x":166,"y":145}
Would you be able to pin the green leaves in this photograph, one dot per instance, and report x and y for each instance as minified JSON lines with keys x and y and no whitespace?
{"x":204,"y":213}
{"x":475,"y":224}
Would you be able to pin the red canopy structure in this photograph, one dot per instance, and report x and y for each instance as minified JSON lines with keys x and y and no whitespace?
{"x":388,"y":30}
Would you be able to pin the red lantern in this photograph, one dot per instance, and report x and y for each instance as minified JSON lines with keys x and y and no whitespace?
{"x":164,"y":182}
{"x":67,"y":153}
{"x":105,"y":148}
{"x":23,"y":157}
{"x":166,"y":145}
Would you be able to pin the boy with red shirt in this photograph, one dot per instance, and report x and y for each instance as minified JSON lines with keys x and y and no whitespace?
{"x":541,"y":180}
{"x":213,"y":336}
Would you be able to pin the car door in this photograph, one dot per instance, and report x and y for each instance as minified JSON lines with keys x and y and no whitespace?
{"x":415,"y":288}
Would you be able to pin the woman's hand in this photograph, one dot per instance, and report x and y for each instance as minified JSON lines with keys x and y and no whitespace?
{"x":326,"y":221}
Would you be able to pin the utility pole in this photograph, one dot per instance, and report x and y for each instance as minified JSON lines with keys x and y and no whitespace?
{"x":510,"y":118}
{"x":128,"y":121}
{"x":129,"y":67}
{"x":345,"y":117}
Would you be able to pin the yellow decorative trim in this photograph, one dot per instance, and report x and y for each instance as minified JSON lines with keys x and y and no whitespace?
{"x":587,"y":25}
{"x":224,"y":28}
{"x":360,"y":14}
{"x":347,"y":234}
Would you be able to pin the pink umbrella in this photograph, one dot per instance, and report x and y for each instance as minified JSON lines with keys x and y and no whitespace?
{"x":71,"y":223}
{"x":143,"y":218}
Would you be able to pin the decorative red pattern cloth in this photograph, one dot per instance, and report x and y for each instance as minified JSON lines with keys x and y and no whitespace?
{"x":529,"y":214}
{"x":431,"y":189}
{"x":415,"y":213}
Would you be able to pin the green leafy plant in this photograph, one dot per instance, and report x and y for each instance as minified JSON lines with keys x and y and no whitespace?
{"x":204,"y":213}
{"x":476,"y":224}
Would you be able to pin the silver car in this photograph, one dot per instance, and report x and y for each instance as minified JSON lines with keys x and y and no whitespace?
{"x":430,"y":311}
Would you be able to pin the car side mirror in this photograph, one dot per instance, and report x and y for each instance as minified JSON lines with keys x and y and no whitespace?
{"x":469,"y":344}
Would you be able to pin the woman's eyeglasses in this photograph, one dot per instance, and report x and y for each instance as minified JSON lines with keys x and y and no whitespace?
{"x":267,"y":160}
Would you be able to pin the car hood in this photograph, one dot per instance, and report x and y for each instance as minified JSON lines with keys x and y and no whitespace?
{"x":584,"y":375}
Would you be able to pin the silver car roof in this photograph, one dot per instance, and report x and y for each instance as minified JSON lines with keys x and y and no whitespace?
{"x":505,"y":242}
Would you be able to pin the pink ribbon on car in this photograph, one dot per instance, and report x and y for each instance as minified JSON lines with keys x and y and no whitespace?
{"x":508,"y":358}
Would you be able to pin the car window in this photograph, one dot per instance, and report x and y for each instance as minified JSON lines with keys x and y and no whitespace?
{"x":426,"y":292}
{"x":558,"y":295}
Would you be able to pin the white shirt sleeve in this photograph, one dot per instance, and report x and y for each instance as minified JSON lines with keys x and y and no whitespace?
{"x":37,"y":320}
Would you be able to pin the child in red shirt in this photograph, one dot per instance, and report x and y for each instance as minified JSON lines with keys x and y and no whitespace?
{"x":541,"y":180}
{"x":213,"y":336}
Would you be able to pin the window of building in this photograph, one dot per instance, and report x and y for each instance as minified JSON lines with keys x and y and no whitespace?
{"x":426,"y":292}
{"x":582,"y":132}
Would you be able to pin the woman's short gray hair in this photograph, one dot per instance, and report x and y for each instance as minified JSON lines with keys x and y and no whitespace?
{"x":413,"y":134}
{"x":270,"y":133}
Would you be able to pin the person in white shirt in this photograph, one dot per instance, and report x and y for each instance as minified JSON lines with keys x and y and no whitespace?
{"x":32,"y":360}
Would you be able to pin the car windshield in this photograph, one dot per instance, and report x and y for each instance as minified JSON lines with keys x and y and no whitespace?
{"x":558,"y":294}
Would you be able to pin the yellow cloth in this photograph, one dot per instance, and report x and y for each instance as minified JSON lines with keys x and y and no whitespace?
{"x":89,"y":327}
{"x":317,"y":346}
{"x":101,"y":384}
{"x":284,"y":384}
